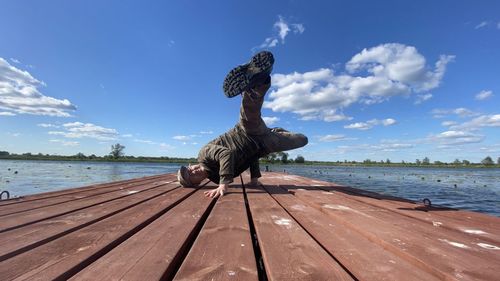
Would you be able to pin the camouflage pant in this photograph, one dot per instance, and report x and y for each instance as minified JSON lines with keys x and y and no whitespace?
{"x":273,"y":140}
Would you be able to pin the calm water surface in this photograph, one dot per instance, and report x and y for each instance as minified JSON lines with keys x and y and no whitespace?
{"x":471,"y":189}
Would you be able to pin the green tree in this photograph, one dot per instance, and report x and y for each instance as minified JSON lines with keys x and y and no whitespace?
{"x":426,"y":161}
{"x":487,"y":161}
{"x":418,"y":162}
{"x":6,"y":153}
{"x":498,"y":160}
{"x":457,"y":162}
{"x":284,"y":157}
{"x":299,"y":159}
{"x":117,"y":150}
{"x":388,"y":161}
{"x":466,"y":162}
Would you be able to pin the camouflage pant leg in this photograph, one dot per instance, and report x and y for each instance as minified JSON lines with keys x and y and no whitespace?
{"x":250,"y":113}
{"x":277,"y":140}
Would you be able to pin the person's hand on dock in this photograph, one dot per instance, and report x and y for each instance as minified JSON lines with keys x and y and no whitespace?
{"x":216,"y":192}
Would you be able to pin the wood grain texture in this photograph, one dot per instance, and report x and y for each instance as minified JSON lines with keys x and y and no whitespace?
{"x":75,"y":250}
{"x":223,"y":250}
{"x":289,"y":253}
{"x":151,"y":252}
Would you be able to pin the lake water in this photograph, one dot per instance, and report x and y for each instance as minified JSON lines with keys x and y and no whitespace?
{"x":471,"y":189}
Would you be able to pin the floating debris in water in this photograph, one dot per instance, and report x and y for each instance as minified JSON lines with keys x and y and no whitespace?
{"x":438,"y":180}
{"x":15,"y":172}
{"x":88,"y":168}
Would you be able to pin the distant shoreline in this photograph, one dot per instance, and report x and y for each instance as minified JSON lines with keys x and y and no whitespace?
{"x":128,"y":159}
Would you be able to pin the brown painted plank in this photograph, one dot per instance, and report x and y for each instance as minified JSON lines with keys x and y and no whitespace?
{"x":74,"y":190}
{"x":435,"y":250}
{"x":289,"y":253}
{"x":475,"y":224}
{"x":19,"y":219}
{"x":67,"y":255}
{"x":73,"y":196}
{"x":363,"y":258}
{"x":153,"y":252}
{"x":223,"y":250}
{"x":28,"y":237}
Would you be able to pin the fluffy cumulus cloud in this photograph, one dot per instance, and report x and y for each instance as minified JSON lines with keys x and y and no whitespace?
{"x":19,"y":94}
{"x":374,"y":75}
{"x":370,"y":124}
{"x":483,"y":95}
{"x":270,"y":120}
{"x":282,"y":28}
{"x":455,"y":137}
{"x":86,"y":130}
{"x":479,"y":122}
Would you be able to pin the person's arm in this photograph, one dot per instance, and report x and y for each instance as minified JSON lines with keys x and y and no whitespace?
{"x":225,"y":157}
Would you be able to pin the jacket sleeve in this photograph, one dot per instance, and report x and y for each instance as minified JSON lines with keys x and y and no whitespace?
{"x":255,"y":169}
{"x":223,"y":156}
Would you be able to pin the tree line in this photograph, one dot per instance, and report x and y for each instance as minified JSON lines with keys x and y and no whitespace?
{"x":117,"y":154}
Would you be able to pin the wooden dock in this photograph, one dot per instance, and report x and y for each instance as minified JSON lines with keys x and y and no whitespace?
{"x":290,"y":228}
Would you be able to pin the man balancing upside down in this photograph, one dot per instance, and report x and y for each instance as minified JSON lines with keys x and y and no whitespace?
{"x":227,"y":156}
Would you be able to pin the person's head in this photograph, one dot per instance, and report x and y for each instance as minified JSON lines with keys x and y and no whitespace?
{"x":191,"y":175}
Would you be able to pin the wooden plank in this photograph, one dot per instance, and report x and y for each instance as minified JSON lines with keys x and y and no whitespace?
{"x":154,"y":252}
{"x":223,"y":250}
{"x":67,"y":255}
{"x":20,"y":219}
{"x":289,"y":253}
{"x":74,"y":190}
{"x":474,"y":224}
{"x":28,"y":237}
{"x":85,"y":193}
{"x":363,"y":258}
{"x":409,"y":239}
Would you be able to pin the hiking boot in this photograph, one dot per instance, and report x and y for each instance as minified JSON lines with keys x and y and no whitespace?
{"x":246,"y":76}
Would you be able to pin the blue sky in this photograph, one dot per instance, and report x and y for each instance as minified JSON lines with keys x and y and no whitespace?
{"x":363,"y":80}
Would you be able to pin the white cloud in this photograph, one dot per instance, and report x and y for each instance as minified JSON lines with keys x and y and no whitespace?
{"x":270,"y":120}
{"x":391,"y":70}
{"x":480,"y":121}
{"x":14,"y":134}
{"x":461,"y":112}
{"x":455,"y":137}
{"x":206,"y":132}
{"x":448,"y":123}
{"x":19,"y":93}
{"x":422,"y":98}
{"x":370,"y":124}
{"x":127,"y":135}
{"x":15,"y":60}
{"x":331,"y":138}
{"x":45,"y":125}
{"x":182,"y":138}
{"x":7,"y":113}
{"x":144,"y":141}
{"x":483,"y":95}
{"x":66,"y":143}
{"x":481,"y":25}
{"x":86,"y":130}
{"x":282,"y":29}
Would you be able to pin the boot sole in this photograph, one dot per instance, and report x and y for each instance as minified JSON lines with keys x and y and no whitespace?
{"x":240,"y":78}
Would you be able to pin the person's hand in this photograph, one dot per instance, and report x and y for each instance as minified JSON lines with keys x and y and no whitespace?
{"x":254,"y":182}
{"x":216,"y":192}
